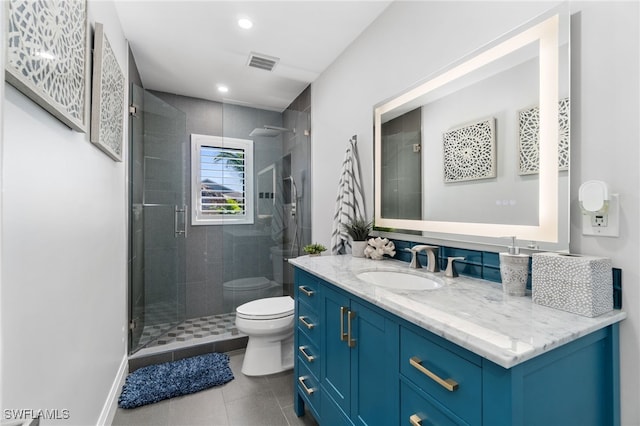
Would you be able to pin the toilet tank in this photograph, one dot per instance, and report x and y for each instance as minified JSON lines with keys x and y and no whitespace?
{"x":242,"y":290}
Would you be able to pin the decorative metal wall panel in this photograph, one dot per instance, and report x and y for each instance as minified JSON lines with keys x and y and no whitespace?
{"x":107,"y":104}
{"x":529,"y":139}
{"x":470,"y":152}
{"x":47,"y":52}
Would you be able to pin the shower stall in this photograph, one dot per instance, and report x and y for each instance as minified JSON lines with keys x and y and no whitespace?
{"x":186,"y":279}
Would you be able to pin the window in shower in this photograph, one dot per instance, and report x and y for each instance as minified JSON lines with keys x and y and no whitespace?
{"x":221,"y":180}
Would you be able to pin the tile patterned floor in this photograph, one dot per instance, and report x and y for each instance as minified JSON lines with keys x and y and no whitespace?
{"x":194,"y":328}
{"x":244,"y":401}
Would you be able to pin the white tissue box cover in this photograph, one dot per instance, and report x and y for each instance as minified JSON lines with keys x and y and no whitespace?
{"x":573,"y":283}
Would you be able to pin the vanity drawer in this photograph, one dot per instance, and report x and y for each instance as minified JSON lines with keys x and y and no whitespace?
{"x":307,"y":321}
{"x":308,"y":354}
{"x":417,"y":410}
{"x":449,"y":378}
{"x":307,"y":290}
{"x":309,"y":387}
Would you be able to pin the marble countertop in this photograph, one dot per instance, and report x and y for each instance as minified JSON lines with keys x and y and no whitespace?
{"x":472,"y":313}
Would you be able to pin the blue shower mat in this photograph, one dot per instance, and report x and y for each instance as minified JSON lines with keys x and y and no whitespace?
{"x":162,"y":381}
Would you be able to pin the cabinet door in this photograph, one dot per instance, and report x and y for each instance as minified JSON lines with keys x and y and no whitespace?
{"x":374,"y":367}
{"x":336,"y":353}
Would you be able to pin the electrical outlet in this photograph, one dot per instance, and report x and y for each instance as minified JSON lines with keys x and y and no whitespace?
{"x":599,"y":221}
{"x":603,"y":225}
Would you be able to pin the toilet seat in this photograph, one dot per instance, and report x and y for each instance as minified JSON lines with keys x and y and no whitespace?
{"x":266,"y":309}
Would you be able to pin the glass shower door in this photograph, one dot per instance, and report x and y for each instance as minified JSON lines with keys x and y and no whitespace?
{"x":158,"y":218}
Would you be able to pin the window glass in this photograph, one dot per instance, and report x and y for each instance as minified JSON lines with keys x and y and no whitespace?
{"x":221,"y":180}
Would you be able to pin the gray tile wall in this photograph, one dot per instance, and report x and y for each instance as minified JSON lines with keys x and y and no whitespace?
{"x":212,"y":254}
{"x":215,"y":254}
{"x":401,"y":171}
{"x":164,"y":188}
{"x":297,"y":117}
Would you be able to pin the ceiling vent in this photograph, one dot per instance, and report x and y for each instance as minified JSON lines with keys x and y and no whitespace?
{"x":264,"y":62}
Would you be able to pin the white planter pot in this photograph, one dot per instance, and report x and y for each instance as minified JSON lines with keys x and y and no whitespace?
{"x":357,"y":248}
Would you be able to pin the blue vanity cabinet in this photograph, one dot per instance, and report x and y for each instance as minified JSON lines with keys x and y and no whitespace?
{"x":371,"y":367}
{"x":446,"y":379}
{"x":306,"y":342}
{"x":335,"y":372}
{"x":358,"y":377}
{"x":575,"y":384}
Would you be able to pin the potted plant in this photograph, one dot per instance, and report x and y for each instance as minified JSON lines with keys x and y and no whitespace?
{"x":358,"y":229}
{"x":314,"y":249}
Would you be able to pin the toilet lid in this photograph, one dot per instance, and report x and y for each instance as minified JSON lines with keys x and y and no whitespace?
{"x":247,"y":284}
{"x":268,"y":308}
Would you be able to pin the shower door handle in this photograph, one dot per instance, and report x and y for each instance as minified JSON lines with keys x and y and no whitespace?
{"x":182,"y":231}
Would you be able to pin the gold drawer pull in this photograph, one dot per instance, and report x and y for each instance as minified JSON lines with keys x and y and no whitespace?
{"x":350,"y":342}
{"x":306,"y":291}
{"x":343,"y":335}
{"x":303,"y":350}
{"x":308,"y":390}
{"x":415,"y":420}
{"x":303,"y":320}
{"x":449,"y":384}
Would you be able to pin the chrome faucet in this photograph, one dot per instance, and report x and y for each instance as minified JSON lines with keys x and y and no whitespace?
{"x":432,"y":265}
{"x":451,"y":269}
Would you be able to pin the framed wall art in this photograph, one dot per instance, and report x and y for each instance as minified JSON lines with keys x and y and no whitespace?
{"x":47,"y":56}
{"x":470,"y":151}
{"x":107,"y":102}
{"x":528,"y":138}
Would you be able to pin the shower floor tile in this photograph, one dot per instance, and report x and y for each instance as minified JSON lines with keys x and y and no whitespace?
{"x":191,"y":329}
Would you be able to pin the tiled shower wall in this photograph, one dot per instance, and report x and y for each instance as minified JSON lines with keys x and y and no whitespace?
{"x":216,"y":254}
{"x":402,"y":163}
{"x":297,"y":144}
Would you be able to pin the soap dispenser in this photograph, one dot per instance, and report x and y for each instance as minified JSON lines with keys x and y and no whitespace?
{"x":514,"y":268}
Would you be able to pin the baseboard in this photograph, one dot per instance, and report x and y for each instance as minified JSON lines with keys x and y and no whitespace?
{"x":111,"y":404}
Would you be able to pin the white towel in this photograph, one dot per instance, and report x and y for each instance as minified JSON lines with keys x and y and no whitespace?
{"x":350,"y":200}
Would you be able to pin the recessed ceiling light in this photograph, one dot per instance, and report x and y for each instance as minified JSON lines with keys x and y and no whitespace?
{"x":245,"y":23}
{"x":222,"y":88}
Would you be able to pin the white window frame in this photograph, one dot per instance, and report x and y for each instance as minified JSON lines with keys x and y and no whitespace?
{"x":198,"y":216}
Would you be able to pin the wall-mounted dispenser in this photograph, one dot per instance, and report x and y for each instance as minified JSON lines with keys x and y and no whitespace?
{"x":600,"y":209}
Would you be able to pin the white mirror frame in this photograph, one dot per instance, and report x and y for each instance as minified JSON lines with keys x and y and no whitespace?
{"x":547,"y":33}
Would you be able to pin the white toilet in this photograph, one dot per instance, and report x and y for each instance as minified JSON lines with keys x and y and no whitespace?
{"x":269,"y":324}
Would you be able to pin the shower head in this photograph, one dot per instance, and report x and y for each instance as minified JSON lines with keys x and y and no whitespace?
{"x":268,"y":131}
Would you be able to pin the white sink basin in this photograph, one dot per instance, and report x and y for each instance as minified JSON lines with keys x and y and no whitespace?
{"x":399,"y":280}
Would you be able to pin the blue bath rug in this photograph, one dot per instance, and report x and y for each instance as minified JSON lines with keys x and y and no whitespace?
{"x":162,"y":381}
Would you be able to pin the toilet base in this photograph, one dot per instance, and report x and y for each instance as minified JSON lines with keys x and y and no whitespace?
{"x":266,"y":355}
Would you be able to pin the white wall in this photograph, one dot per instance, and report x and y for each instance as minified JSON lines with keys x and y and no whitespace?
{"x":2,"y":43}
{"x":411,"y":40}
{"x":64,"y":257}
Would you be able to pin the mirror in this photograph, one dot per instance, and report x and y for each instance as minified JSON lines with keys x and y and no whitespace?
{"x":480,"y":151}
